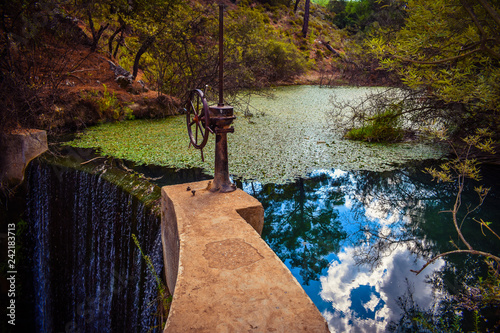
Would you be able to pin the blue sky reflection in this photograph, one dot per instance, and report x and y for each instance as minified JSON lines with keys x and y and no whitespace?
{"x":351,"y":240}
{"x":365,"y":299}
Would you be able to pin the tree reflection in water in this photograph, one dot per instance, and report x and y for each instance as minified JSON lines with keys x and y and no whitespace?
{"x":302,"y":223}
{"x":352,"y":238}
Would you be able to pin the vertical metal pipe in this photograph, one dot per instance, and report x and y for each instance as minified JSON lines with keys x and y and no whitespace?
{"x":221,"y":117}
{"x":221,"y":54}
{"x":221,"y":175}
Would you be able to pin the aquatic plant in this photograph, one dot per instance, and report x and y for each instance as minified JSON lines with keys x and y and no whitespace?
{"x":164,"y":297}
{"x":382,"y":127}
{"x":288,"y":138}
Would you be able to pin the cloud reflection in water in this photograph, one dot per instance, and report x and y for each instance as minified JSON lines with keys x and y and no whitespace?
{"x":365,"y":299}
{"x":330,"y":230}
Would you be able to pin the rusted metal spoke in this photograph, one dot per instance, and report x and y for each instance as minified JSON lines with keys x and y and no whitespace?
{"x":197,"y":111}
{"x":199,"y":125}
{"x":196,"y":133}
{"x":197,"y":118}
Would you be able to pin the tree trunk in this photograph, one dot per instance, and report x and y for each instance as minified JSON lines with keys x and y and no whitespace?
{"x":111,"y":38}
{"x":120,"y":42}
{"x":296,"y":6}
{"x":306,"y":18}
{"x":147,"y":43}
{"x":95,"y":35}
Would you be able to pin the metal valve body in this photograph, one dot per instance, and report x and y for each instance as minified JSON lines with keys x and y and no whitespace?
{"x":221,"y":117}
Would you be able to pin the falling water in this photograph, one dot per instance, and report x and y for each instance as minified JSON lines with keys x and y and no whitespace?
{"x":88,"y":275}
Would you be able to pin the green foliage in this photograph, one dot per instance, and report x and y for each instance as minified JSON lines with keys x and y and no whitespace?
{"x":284,"y":59}
{"x":288,"y":142}
{"x":108,"y":103}
{"x":382,"y":127}
{"x":23,"y":21}
{"x":165,"y":299}
{"x":323,"y":3}
{"x":109,"y":107}
{"x":449,"y":48}
{"x":184,"y":52}
{"x":362,"y":14}
{"x":255,"y":55}
{"x":490,"y":287}
{"x":462,"y":166}
{"x":360,"y":21}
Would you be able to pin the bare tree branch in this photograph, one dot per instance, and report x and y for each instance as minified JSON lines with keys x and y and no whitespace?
{"x":437,"y":62}
{"x":491,"y":11}
{"x":489,"y":255}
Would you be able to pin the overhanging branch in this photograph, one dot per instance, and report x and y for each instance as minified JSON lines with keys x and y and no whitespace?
{"x":437,"y":62}
{"x":489,"y":255}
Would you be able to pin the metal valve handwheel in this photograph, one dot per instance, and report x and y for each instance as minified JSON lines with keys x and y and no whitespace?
{"x":197,"y":118}
{"x":217,"y":119}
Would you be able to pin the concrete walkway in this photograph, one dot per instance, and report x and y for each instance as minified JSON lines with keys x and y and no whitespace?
{"x":223,"y":276}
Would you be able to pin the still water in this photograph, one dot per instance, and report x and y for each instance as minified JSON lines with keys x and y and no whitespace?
{"x":287,"y":137}
{"x":351,"y":239}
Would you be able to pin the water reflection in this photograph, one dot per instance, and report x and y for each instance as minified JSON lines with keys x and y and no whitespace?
{"x":302,"y":222}
{"x":351,"y":240}
{"x":366,"y":298}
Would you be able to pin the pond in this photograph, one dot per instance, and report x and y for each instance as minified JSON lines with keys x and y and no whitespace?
{"x":287,"y":137}
{"x":351,"y":239}
{"x":349,"y":219}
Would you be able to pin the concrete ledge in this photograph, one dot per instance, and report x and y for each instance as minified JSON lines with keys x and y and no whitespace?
{"x":18,"y":149}
{"x":223,"y":276}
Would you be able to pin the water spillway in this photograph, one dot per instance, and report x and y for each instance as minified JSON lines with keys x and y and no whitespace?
{"x":88,"y":275}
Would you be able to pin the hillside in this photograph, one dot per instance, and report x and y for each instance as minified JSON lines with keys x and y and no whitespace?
{"x":63,"y":77}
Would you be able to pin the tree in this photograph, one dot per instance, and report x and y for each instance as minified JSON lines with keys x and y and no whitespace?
{"x":96,"y":11}
{"x":460,"y":169}
{"x":149,"y":19}
{"x":360,"y":15}
{"x":120,"y":30}
{"x":96,"y":35}
{"x":185,"y":56}
{"x":305,"y":27}
{"x":450,"y":50}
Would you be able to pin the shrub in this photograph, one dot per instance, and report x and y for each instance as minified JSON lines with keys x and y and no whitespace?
{"x":383,"y":127}
{"x":108,"y":105}
{"x":284,"y":59}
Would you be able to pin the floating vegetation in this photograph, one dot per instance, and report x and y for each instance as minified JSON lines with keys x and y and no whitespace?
{"x":288,"y":139}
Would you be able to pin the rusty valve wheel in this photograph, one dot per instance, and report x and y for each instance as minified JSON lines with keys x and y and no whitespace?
{"x":198,"y":119}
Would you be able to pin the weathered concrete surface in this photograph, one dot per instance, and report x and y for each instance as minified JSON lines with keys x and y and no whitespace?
{"x":18,"y":149}
{"x":223,"y":276}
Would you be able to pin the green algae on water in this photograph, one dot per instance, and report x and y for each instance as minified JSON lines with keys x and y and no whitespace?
{"x":288,"y":139}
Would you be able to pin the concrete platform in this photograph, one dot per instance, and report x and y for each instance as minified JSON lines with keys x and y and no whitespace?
{"x":18,"y":148}
{"x":223,"y":276}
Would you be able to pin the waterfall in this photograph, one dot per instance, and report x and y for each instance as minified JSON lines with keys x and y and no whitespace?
{"x":88,"y":275}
